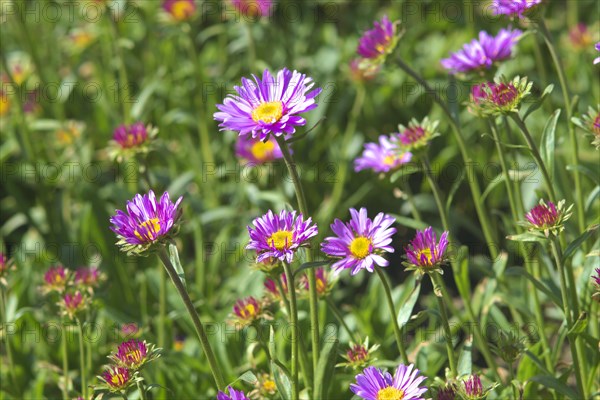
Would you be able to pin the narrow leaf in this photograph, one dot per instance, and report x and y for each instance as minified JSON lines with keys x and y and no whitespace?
{"x":408,"y":306}
{"x":549,"y":142}
{"x":465,"y":362}
{"x":521,"y":271}
{"x":282,"y":380}
{"x":325,"y":368}
{"x":174,"y":257}
{"x":309,"y":265}
{"x":553,"y":383}
{"x":575,"y":244}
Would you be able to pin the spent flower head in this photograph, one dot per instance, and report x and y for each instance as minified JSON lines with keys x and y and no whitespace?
{"x":374,"y":384}
{"x":359,"y":355}
{"x":280,"y":235}
{"x":424,"y":253}
{"x":500,"y":97}
{"x":384,"y":156}
{"x":270,"y":105}
{"x":147,"y":222}
{"x":417,"y":134}
{"x":362,"y":70}
{"x":482,"y":54}
{"x":360,"y":243}
{"x":547,"y":218}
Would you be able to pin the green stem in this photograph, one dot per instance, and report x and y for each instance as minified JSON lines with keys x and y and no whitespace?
{"x":11,"y":367}
{"x":210,"y":356}
{"x":575,"y":351}
{"x":338,"y":315}
{"x":411,"y":200}
{"x":393,"y":315}
{"x":251,"y":46}
{"x":142,"y":389}
{"x":122,"y":89}
{"x":436,"y":193}
{"x":569,"y":110}
{"x":536,"y":155}
{"x":435,"y":279}
{"x":312,"y":280}
{"x":82,"y":361}
{"x":472,"y":180}
{"x":65,"y":360}
{"x":162,"y":307}
{"x":294,"y":323}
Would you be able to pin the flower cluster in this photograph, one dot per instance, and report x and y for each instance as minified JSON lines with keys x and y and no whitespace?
{"x":384,"y":156}
{"x":547,"y":218}
{"x":481,"y":54}
{"x":501,"y":97}
{"x":146,"y":223}
{"x":374,"y":384}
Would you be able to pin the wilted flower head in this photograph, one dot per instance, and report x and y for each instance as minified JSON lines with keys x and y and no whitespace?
{"x":384,"y":156}
{"x":380,"y":41}
{"x":72,"y":303}
{"x":269,"y":105}
{"x":590,"y":123}
{"x":508,"y":346}
{"x":548,"y":218}
{"x":56,"y":279}
{"x":360,"y":243}
{"x":493,"y":98}
{"x":233,"y":394}
{"x":280,"y":235}
{"x":253,"y":8}
{"x":417,"y":134}
{"x":246,"y":311}
{"x":257,"y":151}
{"x":117,"y":378}
{"x":179,"y":10}
{"x":514,"y":7}
{"x":374,"y":384}
{"x":483,"y":53}
{"x":425,"y":253}
{"x":134,"y":354}
{"x":359,"y":354}
{"x":146,"y":222}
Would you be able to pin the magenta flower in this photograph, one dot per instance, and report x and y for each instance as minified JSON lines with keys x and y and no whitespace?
{"x":117,"y":378}
{"x":280,"y":235}
{"x":253,"y":8}
{"x":374,"y":384}
{"x":130,"y":136}
{"x":233,"y":395}
{"x":246,"y":311}
{"x":146,"y":221}
{"x":73,"y":303}
{"x":3,"y":264}
{"x":322,"y":280}
{"x":500,"y":94}
{"x":417,"y":134}
{"x":597,"y":47}
{"x":482,"y":53}
{"x":382,"y":157}
{"x":272,"y":288}
{"x":547,"y":218}
{"x":492,"y":98}
{"x":424,"y":252}
{"x":473,"y":389}
{"x":180,"y":10}
{"x":514,"y":7}
{"x":268,"y":106}
{"x":257,"y":151}
{"x":132,"y":354}
{"x":360,"y":242}
{"x":596,"y":278}
{"x":87,"y":276}
{"x":379,"y":41}
{"x":55,"y":279}
{"x":359,"y":354}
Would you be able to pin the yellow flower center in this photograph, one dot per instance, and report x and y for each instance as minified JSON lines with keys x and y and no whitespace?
{"x":182,"y":9}
{"x":117,"y":379}
{"x":134,"y":356}
{"x":390,"y":160}
{"x":4,"y":104}
{"x":149,"y":228}
{"x":269,"y":386}
{"x":268,"y":112}
{"x":248,"y":311}
{"x":390,"y":393}
{"x":320,"y":286}
{"x":262,"y":150}
{"x":281,"y":239}
{"x":360,"y":247}
{"x":428,"y":256}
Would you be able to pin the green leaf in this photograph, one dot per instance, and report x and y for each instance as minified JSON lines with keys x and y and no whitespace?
{"x":549,"y":142}
{"x":579,"y":326}
{"x":575,"y":244}
{"x":409,"y":222}
{"x":309,"y":265}
{"x":465,"y":362}
{"x":527,"y":237}
{"x":594,"y":194}
{"x":553,"y":383}
{"x":586,"y":171}
{"x":282,"y":380}
{"x":325,"y":369}
{"x":495,"y":182}
{"x":461,"y":273}
{"x":248,"y":377}
{"x":174,"y":257}
{"x":454,"y":189}
{"x":407,"y":307}
{"x":406,"y":170}
{"x":534,"y":106}
{"x":521,"y":272}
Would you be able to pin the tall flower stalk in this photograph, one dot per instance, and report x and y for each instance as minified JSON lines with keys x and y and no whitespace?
{"x":82,"y":360}
{"x":295,"y":329}
{"x":436,"y":280}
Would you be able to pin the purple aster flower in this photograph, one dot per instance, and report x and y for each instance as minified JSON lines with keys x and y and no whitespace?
{"x":257,"y":151}
{"x":280,"y":235}
{"x":146,"y":220}
{"x":374,"y":384}
{"x":379,"y":41}
{"x":180,"y":10}
{"x":130,"y":136}
{"x":424,"y":252}
{"x":233,"y":395}
{"x":360,"y":242}
{"x":513,"y":7}
{"x":382,"y":157}
{"x":482,"y":53}
{"x":269,"y":105}
{"x":597,"y":46}
{"x":547,"y":217}
{"x":253,"y":8}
